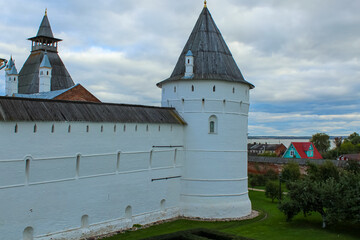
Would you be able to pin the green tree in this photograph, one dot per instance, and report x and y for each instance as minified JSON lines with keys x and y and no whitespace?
{"x":290,"y":172}
{"x":310,"y":196}
{"x":321,"y":141}
{"x":272,"y":190}
{"x":347,"y":147}
{"x":337,"y":200}
{"x":322,"y":172}
{"x":354,"y":138}
{"x":338,"y":141}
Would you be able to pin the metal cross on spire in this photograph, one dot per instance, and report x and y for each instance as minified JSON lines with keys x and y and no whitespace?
{"x":205,"y":3}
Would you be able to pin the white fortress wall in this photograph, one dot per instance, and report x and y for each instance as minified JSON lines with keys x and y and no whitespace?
{"x":75,"y":178}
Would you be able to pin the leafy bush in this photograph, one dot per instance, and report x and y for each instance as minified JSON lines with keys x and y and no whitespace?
{"x":272,"y":190}
{"x":271,"y":175}
{"x":353,"y":166}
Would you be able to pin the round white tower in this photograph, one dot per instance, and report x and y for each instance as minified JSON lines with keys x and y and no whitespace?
{"x":214,"y":101}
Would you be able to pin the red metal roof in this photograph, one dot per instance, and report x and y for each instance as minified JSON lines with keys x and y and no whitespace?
{"x":301,"y":147}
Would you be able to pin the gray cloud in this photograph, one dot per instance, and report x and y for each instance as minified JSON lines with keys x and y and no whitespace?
{"x":299,"y":52}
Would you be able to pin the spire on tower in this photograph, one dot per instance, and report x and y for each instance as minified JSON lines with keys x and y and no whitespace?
{"x":45,"y":61}
{"x":45,"y":11}
{"x":212,"y":57}
{"x":10,"y":64}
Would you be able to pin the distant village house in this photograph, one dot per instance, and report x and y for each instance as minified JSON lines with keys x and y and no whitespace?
{"x":303,"y":150}
{"x":260,"y":148}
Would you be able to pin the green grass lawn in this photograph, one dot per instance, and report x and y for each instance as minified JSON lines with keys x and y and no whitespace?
{"x":273,"y":226}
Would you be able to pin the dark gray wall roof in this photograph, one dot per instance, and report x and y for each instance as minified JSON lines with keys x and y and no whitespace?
{"x":29,"y":110}
{"x":212,"y":58}
{"x":29,"y":74}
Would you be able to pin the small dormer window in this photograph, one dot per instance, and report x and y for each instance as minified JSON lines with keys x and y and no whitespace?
{"x":188,"y":61}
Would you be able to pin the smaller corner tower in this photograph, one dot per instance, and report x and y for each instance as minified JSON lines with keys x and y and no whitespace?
{"x":11,"y":78}
{"x":45,"y":70}
{"x":189,"y":65}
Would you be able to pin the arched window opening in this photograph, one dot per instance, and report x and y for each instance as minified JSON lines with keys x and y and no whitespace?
{"x":192,"y":88}
{"x":85,"y":221}
{"x":214,"y":88}
{"x":69,"y":129}
{"x":102,"y":128}
{"x":136,"y":128}
{"x":147,"y":128}
{"x":233,"y":90}
{"x":115,"y":128}
{"x":174,"y":89}
{"x":189,"y":61}
{"x":16,"y":128}
{"x":14,"y":79}
{"x":28,"y":233}
{"x":124,"y":128}
{"x":47,"y":73}
{"x":87,"y":128}
{"x":159,"y":128}
{"x":41,"y":73}
{"x":35,"y":128}
{"x":128,"y":212}
{"x":53,"y":128}
{"x":213,"y":124}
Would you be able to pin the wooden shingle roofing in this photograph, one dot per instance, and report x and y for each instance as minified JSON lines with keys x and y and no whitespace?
{"x":29,"y":74}
{"x":212,"y":57}
{"x":29,"y":110}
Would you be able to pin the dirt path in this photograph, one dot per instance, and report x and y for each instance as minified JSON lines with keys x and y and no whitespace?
{"x":257,"y":190}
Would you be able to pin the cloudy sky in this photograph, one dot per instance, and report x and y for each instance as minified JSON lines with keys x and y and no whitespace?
{"x":302,"y":56}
